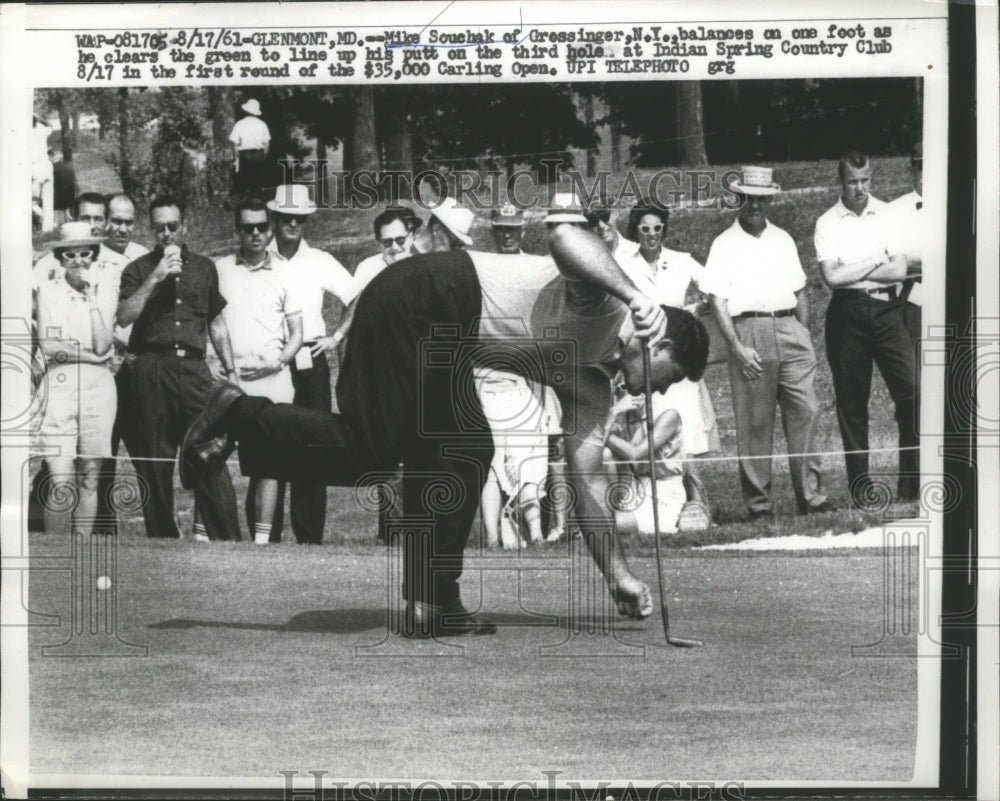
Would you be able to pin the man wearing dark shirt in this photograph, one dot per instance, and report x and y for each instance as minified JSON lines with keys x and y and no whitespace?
{"x":171,"y":298}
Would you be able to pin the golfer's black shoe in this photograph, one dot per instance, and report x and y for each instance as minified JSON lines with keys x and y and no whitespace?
{"x":426,"y":621}
{"x":820,"y":508}
{"x":206,"y":444}
{"x":761,"y":514}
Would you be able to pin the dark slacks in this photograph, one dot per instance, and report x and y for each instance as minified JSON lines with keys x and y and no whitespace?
{"x":394,"y":409}
{"x":169,"y":393}
{"x":860,"y":331}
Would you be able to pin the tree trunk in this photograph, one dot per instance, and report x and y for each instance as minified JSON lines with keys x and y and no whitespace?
{"x":588,"y":119}
{"x":67,"y":137}
{"x":361,"y":148}
{"x":691,"y":124}
{"x":124,"y":135}
{"x":398,"y":153}
{"x":616,"y":146}
{"x":220,"y":156}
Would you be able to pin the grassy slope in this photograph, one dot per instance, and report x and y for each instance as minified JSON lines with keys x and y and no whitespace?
{"x":252,"y":669}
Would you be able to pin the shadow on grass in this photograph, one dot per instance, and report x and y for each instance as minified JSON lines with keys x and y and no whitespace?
{"x":353,"y":621}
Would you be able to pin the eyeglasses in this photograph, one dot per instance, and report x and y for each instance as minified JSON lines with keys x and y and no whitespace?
{"x":651,"y":229}
{"x":170,"y":226}
{"x":122,"y":221}
{"x":398,"y":240}
{"x":72,"y":255}
{"x":253,"y":228}
{"x":594,"y":217}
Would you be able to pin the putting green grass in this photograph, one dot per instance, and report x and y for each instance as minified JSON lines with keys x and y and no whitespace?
{"x":262,"y":659}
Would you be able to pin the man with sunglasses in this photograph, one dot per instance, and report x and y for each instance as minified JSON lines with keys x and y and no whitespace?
{"x":171,"y":298}
{"x":312,"y":272}
{"x":394,"y":229}
{"x":265,"y":328}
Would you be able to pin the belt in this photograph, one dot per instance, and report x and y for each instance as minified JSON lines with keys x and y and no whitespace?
{"x":174,"y":350}
{"x":779,"y":313}
{"x":889,"y":292}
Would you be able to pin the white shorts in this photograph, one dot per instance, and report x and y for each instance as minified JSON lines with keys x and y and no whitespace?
{"x":80,"y":405}
{"x":671,"y":498}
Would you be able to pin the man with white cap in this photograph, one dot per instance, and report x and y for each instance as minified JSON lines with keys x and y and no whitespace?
{"x":311,"y":273}
{"x":251,"y":139}
{"x":572,"y":325}
{"x":757,"y":290}
{"x":74,"y":313}
{"x":508,"y":228}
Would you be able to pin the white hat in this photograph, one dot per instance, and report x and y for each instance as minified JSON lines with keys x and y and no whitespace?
{"x":252,"y":107}
{"x":292,"y":199}
{"x":755,"y":181}
{"x":75,"y":234}
{"x":565,"y":208}
{"x":455,"y":218}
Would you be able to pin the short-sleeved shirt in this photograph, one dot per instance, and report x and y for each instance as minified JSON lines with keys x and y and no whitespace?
{"x":754,"y":273}
{"x":310,"y":273}
{"x":179,"y":309}
{"x":368,"y":268}
{"x":64,"y":314}
{"x":909,"y":234}
{"x":259,"y":301}
{"x":848,"y":237}
{"x":667,"y":280}
{"x":250,"y":133}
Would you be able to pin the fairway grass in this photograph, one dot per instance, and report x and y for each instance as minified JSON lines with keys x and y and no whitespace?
{"x":268,"y":659}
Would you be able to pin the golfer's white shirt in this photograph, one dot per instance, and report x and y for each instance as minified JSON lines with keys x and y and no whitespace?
{"x":754,"y":273}
{"x":842,"y":234}
{"x":310,"y":273}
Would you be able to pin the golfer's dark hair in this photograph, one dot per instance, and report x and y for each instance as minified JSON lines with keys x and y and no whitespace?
{"x":689,"y":341}
{"x":854,"y":159}
{"x":93,"y":198}
{"x":247,"y":204}
{"x":165,"y":202}
{"x":640,"y":210}
{"x":406,"y":216}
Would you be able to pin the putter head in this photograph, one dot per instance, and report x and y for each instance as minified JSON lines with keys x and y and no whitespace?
{"x":681,"y":642}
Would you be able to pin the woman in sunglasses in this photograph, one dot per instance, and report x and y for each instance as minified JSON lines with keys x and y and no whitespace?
{"x":669,"y":276}
{"x":75,"y":312}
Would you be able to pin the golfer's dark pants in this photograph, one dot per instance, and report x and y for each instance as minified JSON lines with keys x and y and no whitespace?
{"x":395,"y":409}
{"x":170,"y":393}
{"x":860,"y":331}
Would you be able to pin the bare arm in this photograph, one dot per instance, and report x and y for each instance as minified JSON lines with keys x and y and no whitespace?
{"x":100,"y":329}
{"x":666,"y":428}
{"x":218,"y":332}
{"x":886,"y":270}
{"x":746,"y":357}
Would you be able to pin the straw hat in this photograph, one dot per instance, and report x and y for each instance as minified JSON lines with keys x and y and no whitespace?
{"x":456,"y":219}
{"x":292,"y":199}
{"x":755,"y":181}
{"x":565,"y":208}
{"x":75,"y":234}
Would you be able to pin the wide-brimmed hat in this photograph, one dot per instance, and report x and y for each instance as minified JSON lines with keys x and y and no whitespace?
{"x":565,"y":208}
{"x":507,"y":216}
{"x":75,"y":234}
{"x":252,"y":107}
{"x":755,"y":181}
{"x":292,"y":199}
{"x":455,"y":218}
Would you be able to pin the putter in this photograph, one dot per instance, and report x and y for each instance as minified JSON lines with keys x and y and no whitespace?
{"x":678,"y":642}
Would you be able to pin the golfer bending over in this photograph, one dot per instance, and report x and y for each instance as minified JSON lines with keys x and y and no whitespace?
{"x":583,"y":322}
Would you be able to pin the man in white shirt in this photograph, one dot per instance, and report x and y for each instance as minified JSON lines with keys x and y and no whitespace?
{"x":758,"y":294}
{"x":311,"y":272}
{"x":865,"y":324}
{"x":265,"y":329}
{"x":251,"y":139}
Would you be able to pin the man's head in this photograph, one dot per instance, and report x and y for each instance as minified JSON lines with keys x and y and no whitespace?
{"x":450,"y":226}
{"x":508,"y":228}
{"x":598,"y":216}
{"x":121,"y":222}
{"x":90,"y":208}
{"x":253,"y":228}
{"x":682,"y":353}
{"x":166,"y":218}
{"x":290,"y":210}
{"x":76,"y":249}
{"x":855,"y":172}
{"x":394,"y":229}
{"x":755,"y":187}
{"x":917,"y":167}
